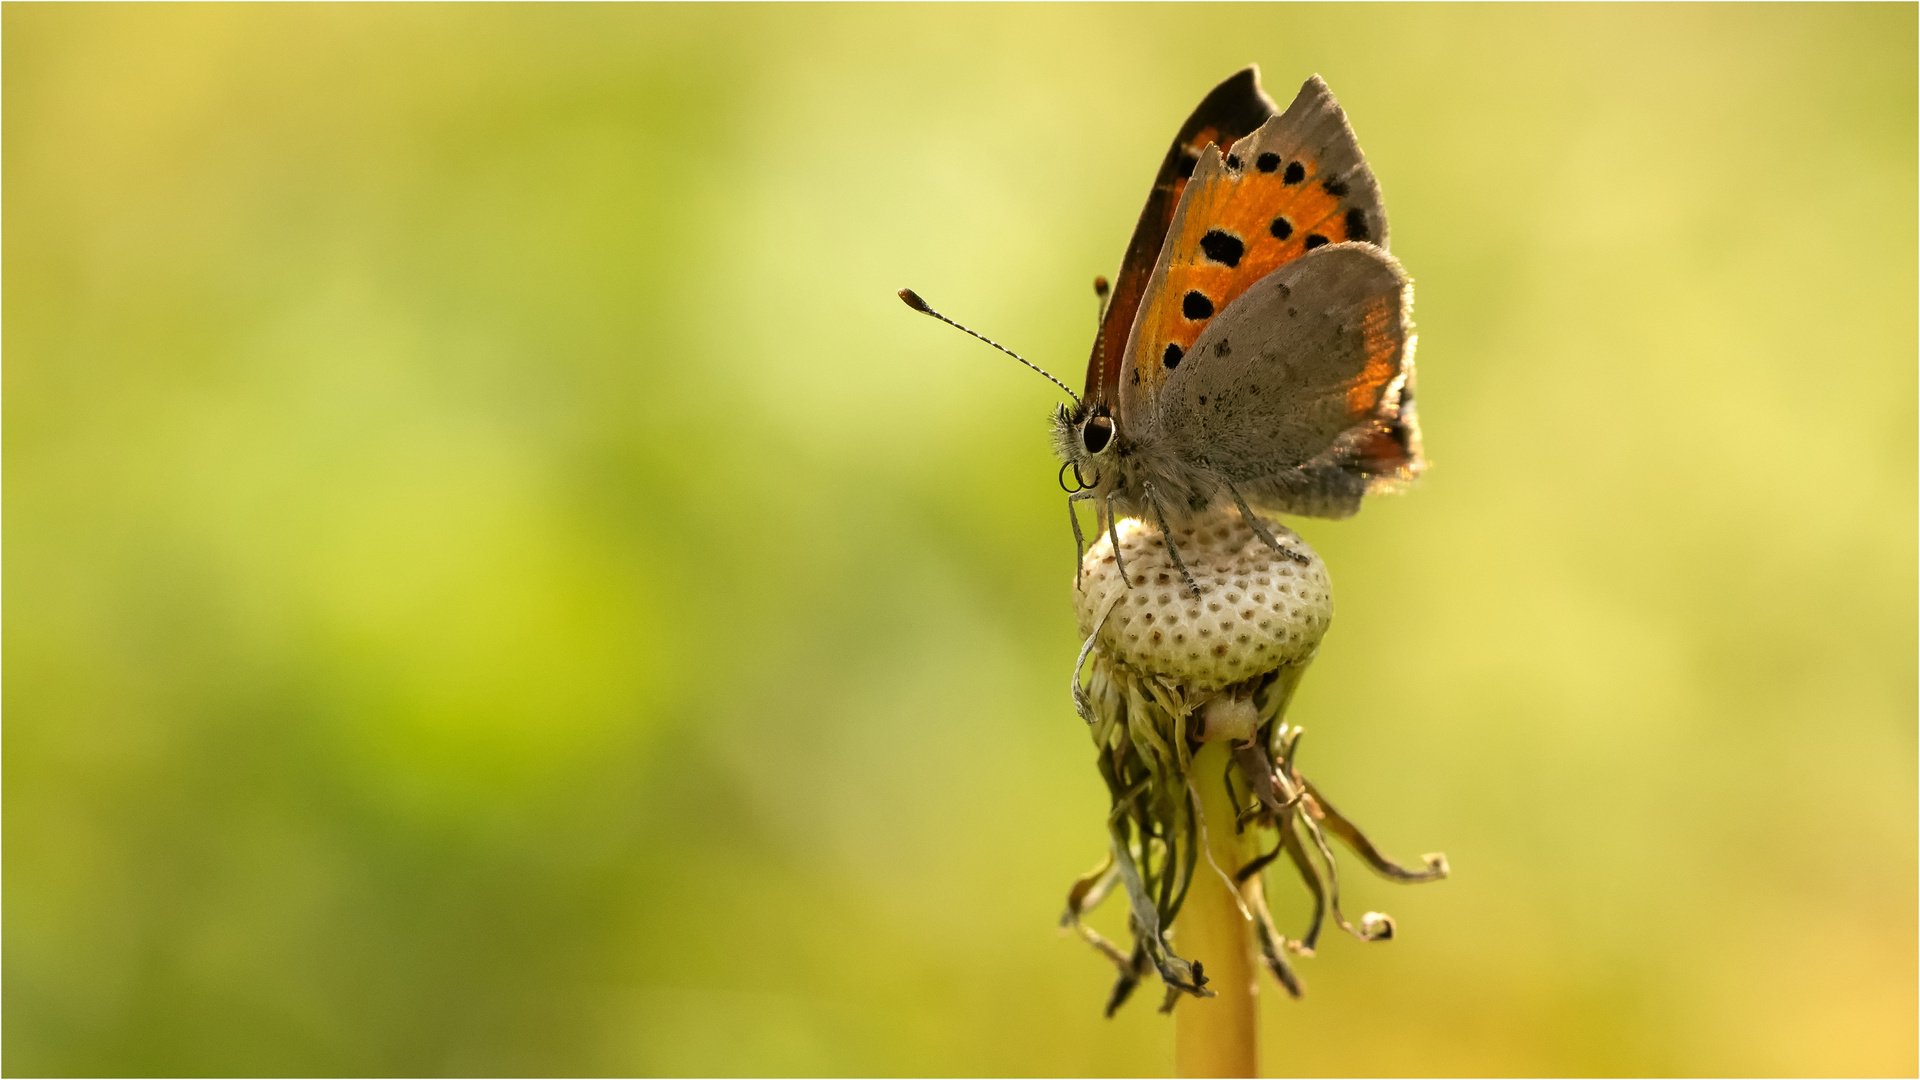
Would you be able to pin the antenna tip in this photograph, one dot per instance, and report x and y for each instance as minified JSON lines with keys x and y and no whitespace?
{"x":912,"y":300}
{"x":1100,"y":286}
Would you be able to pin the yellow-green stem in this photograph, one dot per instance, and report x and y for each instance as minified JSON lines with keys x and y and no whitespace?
{"x":1217,"y":1036}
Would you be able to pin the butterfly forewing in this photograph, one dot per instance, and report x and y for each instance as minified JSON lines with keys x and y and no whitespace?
{"x":1232,"y":110}
{"x":1296,"y":184}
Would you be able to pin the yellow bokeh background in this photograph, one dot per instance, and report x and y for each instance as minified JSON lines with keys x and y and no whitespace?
{"x":496,"y":583}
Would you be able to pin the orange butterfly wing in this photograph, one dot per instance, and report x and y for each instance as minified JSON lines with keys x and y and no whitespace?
{"x":1229,"y":112}
{"x":1296,"y":183}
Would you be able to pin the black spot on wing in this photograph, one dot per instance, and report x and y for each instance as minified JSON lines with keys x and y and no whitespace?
{"x":1233,"y":162}
{"x":1281,"y":228}
{"x":1315,"y":240}
{"x":1171,"y":358}
{"x":1294,"y":174}
{"x":1357,"y":224}
{"x":1267,"y":162}
{"x":1195,"y":305}
{"x":1334,"y":186}
{"x":1222,"y":247}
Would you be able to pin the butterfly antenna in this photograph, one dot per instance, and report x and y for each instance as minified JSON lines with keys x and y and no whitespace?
{"x":1101,"y":290}
{"x":912,"y":300}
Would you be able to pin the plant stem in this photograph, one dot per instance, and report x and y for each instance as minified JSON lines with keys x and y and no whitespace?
{"x":1216,"y":1036}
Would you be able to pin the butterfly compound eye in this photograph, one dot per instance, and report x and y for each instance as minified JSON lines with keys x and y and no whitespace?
{"x":1096,"y":434}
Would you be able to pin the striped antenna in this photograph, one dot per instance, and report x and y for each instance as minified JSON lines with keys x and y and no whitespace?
{"x":912,"y":300}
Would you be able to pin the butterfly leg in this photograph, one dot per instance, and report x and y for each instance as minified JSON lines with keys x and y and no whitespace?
{"x":1166,"y":537}
{"x":1079,"y":538}
{"x":1113,"y":536}
{"x":1260,"y":528}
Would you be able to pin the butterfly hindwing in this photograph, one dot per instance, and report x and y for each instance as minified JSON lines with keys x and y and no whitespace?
{"x":1233,"y":109}
{"x":1296,"y":183}
{"x":1300,"y":393}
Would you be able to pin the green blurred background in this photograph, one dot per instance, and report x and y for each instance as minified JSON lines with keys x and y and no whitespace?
{"x":496,"y":583}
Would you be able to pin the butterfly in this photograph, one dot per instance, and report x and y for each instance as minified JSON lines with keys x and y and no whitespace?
{"x":1257,"y":347}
